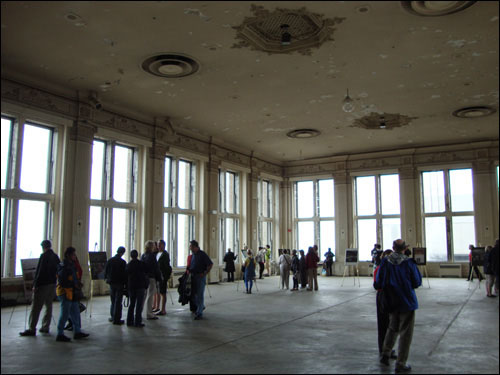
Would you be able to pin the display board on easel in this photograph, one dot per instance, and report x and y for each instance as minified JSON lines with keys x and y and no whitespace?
{"x":351,"y":259}
{"x":420,"y":258}
{"x":478,"y":254}
{"x":97,"y":261}
{"x":28,"y":267}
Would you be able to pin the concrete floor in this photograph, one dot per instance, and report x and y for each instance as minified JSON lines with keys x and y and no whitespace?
{"x":271,"y":331}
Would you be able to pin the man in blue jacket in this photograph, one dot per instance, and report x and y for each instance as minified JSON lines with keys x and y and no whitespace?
{"x":403,"y":276}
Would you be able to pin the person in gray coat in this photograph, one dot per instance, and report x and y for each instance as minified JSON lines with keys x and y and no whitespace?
{"x":44,"y":289}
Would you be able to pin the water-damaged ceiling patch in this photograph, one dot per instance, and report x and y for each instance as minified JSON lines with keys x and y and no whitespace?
{"x":435,"y":8}
{"x":383,"y":121}
{"x":266,"y":30}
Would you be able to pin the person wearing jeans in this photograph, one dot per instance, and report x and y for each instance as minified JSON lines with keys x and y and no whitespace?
{"x":67,"y":282}
{"x":199,"y":268}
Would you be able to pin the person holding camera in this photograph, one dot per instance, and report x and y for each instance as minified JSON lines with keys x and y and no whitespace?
{"x":115,"y":275}
{"x":376,"y":255}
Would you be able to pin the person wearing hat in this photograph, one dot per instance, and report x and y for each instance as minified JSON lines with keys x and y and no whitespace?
{"x":44,"y":288}
{"x":116,"y":276}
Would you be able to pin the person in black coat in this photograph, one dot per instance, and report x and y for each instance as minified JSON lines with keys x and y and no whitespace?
{"x":116,"y":276}
{"x":303,"y":270}
{"x":229,"y":259}
{"x":494,"y":265}
{"x":138,"y":281}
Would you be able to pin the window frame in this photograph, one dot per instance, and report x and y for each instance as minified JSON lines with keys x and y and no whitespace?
{"x":12,"y":194}
{"x":108,"y":204}
{"x":448,"y":214}
{"x":224,"y":214}
{"x":316,"y":218}
{"x":378,"y":216}
{"x":172,"y":210}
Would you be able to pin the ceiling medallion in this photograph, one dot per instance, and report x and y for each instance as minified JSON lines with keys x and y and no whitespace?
{"x":265,"y":30}
{"x":383,"y":121}
{"x":303,"y":133}
{"x":435,"y":8}
{"x":170,"y":65}
{"x":474,"y":112}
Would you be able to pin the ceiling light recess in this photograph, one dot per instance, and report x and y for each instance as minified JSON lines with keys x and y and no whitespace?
{"x":170,"y":65}
{"x":303,"y":133}
{"x":474,"y":112}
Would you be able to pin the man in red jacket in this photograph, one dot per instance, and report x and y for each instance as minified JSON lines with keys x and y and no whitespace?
{"x":312,"y":260}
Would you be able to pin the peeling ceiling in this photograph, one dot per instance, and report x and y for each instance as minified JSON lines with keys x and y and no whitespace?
{"x":392,"y":62}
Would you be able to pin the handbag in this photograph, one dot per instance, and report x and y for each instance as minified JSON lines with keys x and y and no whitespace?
{"x":77,"y":294}
{"x":389,"y":300}
{"x":82,"y":307}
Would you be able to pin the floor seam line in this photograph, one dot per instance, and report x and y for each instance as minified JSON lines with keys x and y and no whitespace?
{"x":451,"y":323}
{"x":277,"y":325}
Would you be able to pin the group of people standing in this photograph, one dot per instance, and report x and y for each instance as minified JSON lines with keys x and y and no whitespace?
{"x":304,"y":269}
{"x":149,"y":274}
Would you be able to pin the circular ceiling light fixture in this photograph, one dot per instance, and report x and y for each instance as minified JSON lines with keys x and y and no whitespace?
{"x":474,"y":112}
{"x":170,"y":65}
{"x":435,"y":8}
{"x":348,"y":103}
{"x":303,"y":133}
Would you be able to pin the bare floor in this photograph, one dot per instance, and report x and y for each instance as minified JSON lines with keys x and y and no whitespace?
{"x":270,"y":331}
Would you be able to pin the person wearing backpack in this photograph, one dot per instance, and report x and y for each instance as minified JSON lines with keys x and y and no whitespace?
{"x":329,"y":262}
{"x":67,"y":285}
{"x":401,"y":275}
{"x":166,"y":271}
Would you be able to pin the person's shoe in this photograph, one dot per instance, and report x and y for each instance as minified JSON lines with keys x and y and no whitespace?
{"x":119,"y":323}
{"x":152,"y":318}
{"x":130,"y":325}
{"x":161,"y":313}
{"x":402,"y":369}
{"x":80,"y":335}
{"x":28,"y":332}
{"x":491,"y":295}
{"x":62,"y":338}
{"x":198,"y":317}
{"x":140,"y":325}
{"x":384,"y":360}
{"x":69,"y":327}
{"x":110,"y":320}
{"x":393,"y":354}
{"x":43,"y":330}
{"x":155,"y":310}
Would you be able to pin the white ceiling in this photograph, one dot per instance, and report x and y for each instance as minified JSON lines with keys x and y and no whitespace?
{"x":391,"y":61}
